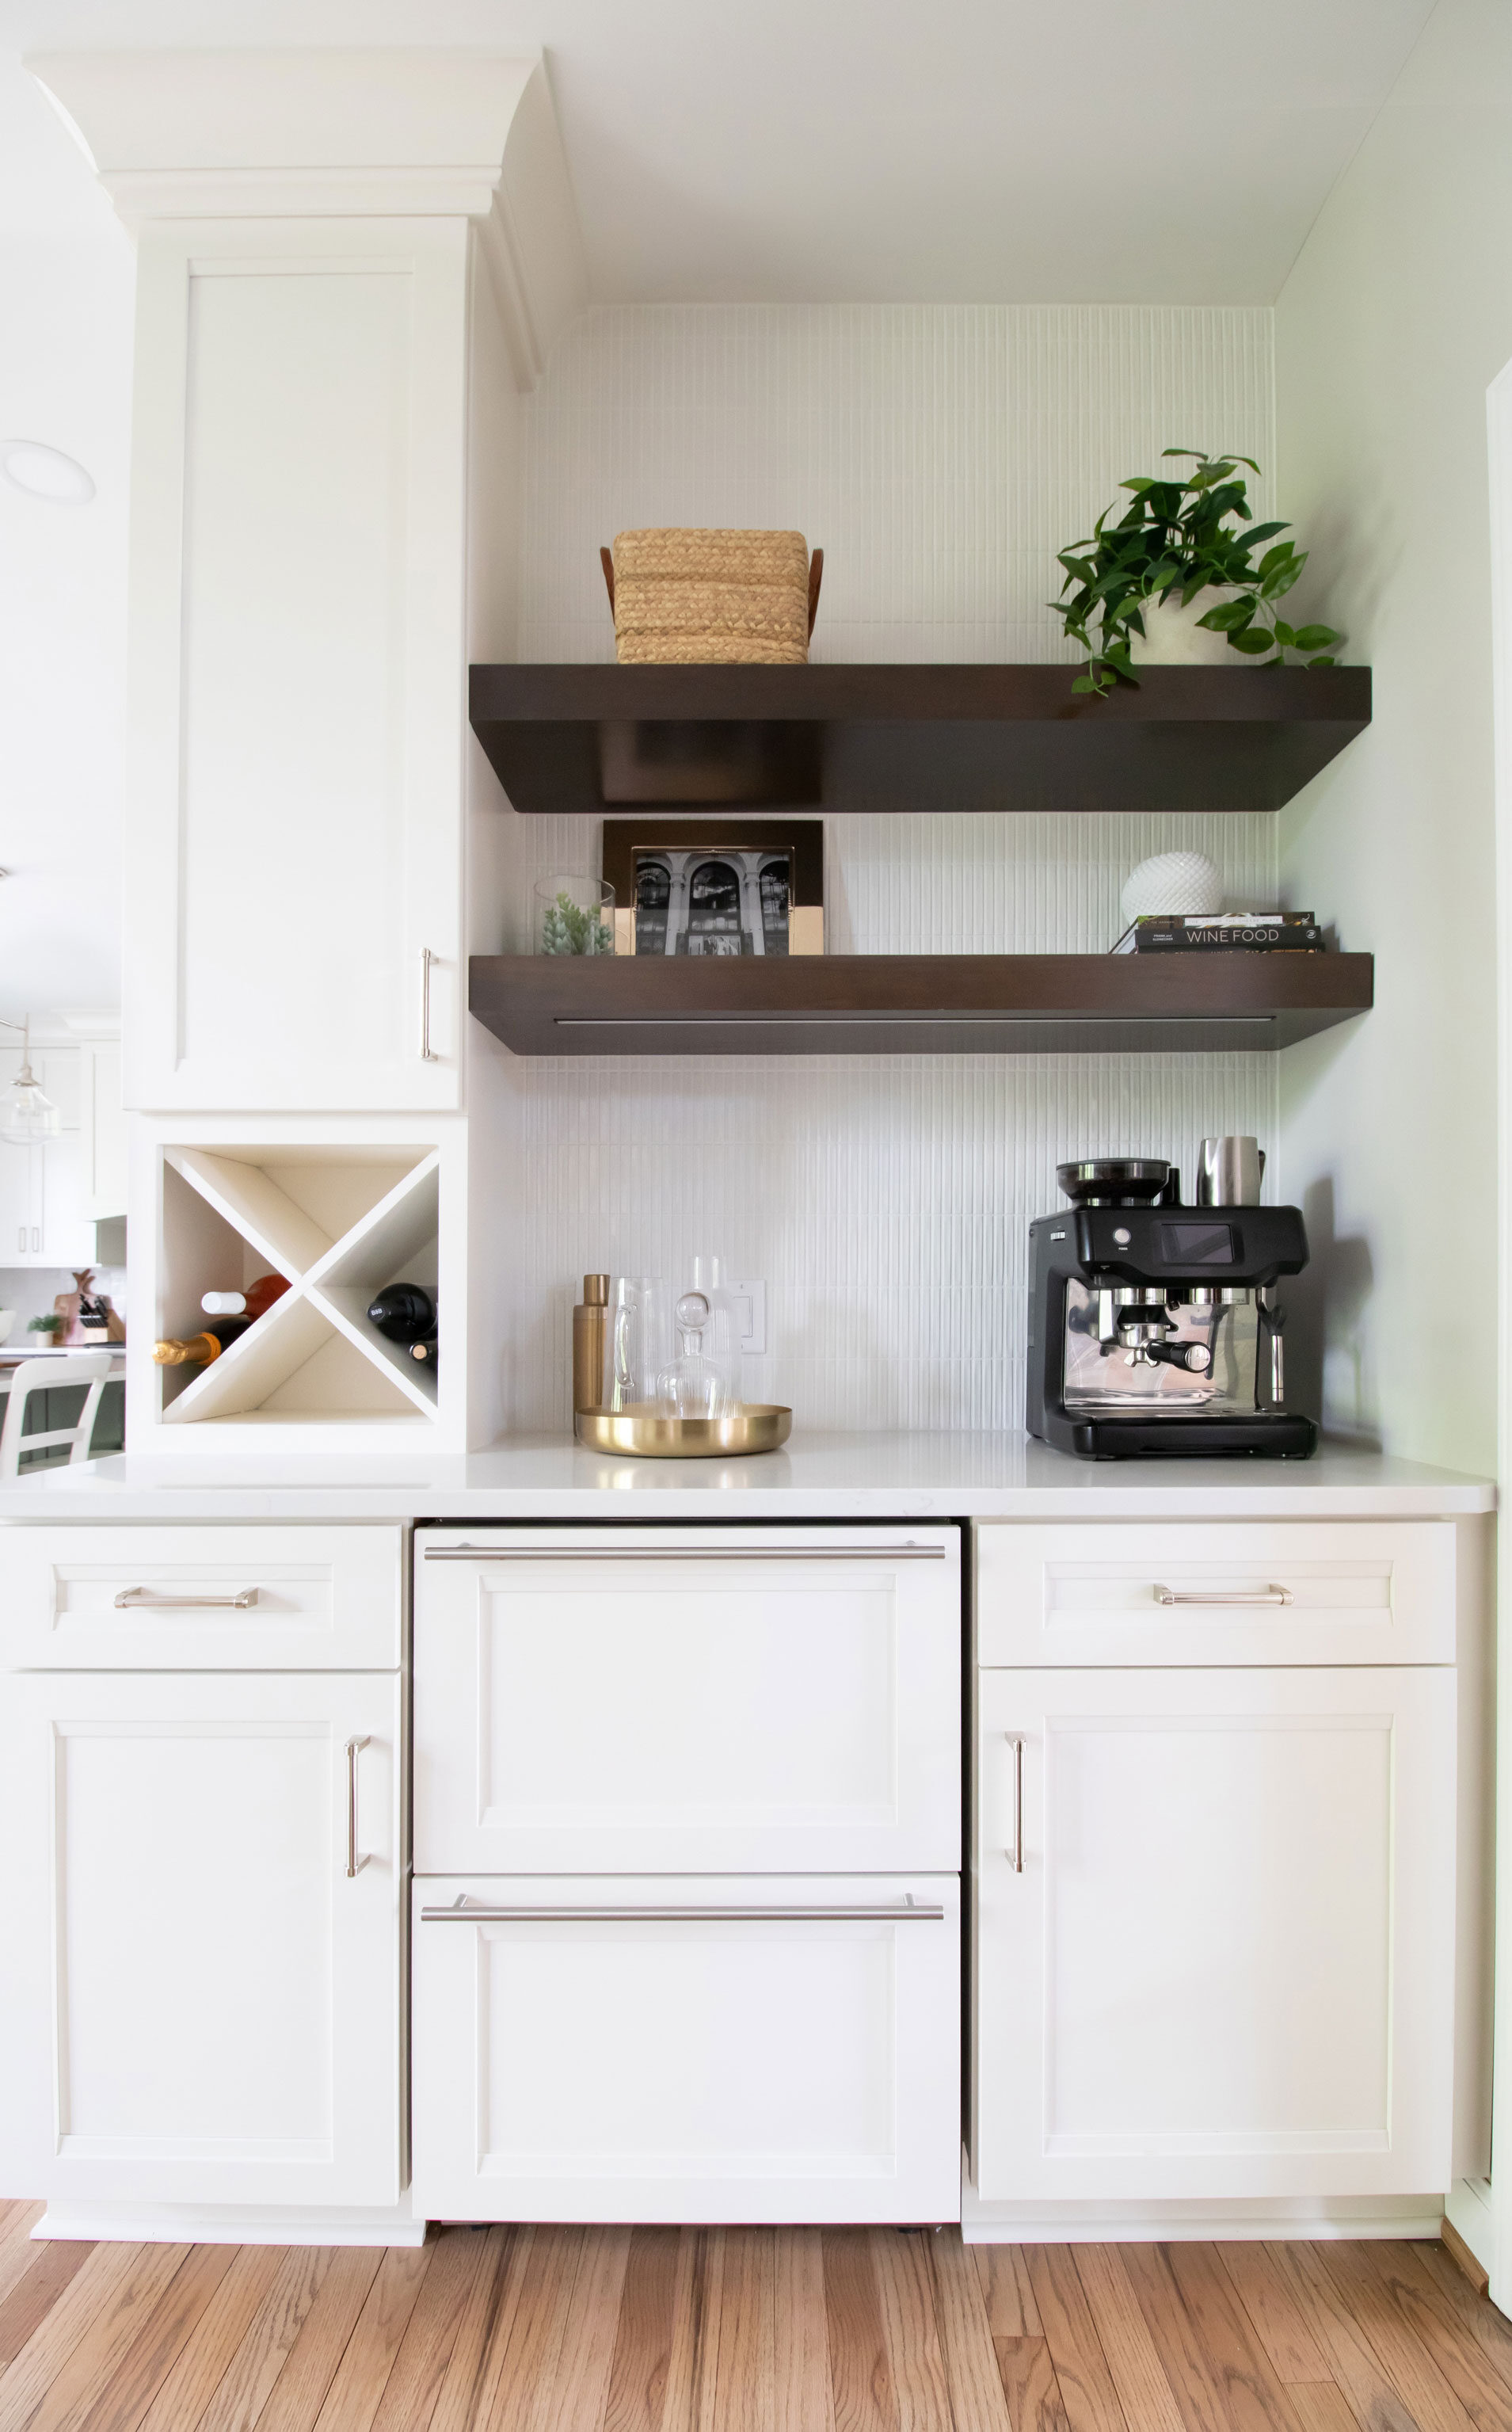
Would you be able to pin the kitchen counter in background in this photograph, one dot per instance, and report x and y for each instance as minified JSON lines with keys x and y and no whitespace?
{"x":817,"y":1476}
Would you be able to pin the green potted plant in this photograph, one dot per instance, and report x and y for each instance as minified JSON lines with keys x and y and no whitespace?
{"x":51,"y":1325}
{"x":1133,"y":584}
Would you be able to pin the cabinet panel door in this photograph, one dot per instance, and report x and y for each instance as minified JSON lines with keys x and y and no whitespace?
{"x":203,"y":2005}
{"x":1226,"y":1968}
{"x":67,"y":1227}
{"x":1241,"y":1592}
{"x":295,"y":715}
{"x":20,"y":1198}
{"x":44,"y":1221}
{"x":696,"y":1701}
{"x":102,"y":1130}
{"x":740,"y":2068}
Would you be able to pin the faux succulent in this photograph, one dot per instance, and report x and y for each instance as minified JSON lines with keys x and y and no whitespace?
{"x":1179,"y":537}
{"x":566,"y":928}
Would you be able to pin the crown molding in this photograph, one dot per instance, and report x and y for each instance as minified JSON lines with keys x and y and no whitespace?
{"x":142,"y":196}
{"x":355,"y":134}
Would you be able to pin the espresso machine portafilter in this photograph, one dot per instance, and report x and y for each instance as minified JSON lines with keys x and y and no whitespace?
{"x":1154,"y":1327}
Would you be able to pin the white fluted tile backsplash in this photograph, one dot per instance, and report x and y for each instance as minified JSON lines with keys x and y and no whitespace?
{"x":941,"y":455}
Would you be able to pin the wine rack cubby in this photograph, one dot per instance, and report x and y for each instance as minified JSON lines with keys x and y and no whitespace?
{"x":338,"y":1224}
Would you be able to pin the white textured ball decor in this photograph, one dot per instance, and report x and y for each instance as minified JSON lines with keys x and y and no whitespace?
{"x":1173,"y":881}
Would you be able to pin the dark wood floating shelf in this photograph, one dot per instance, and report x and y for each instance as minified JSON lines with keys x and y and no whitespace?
{"x":912,"y":738}
{"x":871,"y":1005}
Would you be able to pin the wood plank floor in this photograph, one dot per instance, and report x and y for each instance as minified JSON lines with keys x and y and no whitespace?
{"x":743,"y":2330}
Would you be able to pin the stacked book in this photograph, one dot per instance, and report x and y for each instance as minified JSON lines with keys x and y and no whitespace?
{"x":1222,"y":933}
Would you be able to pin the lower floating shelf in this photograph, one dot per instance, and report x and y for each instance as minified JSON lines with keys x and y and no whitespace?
{"x":881,"y":1004}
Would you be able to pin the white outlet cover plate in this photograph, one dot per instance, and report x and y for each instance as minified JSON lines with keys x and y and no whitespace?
{"x":749,"y":1302}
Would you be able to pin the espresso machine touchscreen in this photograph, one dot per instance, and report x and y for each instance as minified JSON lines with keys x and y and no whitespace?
{"x":1158,"y":1329}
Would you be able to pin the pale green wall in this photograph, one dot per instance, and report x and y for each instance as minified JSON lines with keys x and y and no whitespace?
{"x":1395,"y":319}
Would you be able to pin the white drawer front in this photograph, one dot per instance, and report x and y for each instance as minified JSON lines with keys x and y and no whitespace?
{"x":1240,"y":1592}
{"x":243,"y":1598}
{"x":689,"y":1700}
{"x":801,"y":2066}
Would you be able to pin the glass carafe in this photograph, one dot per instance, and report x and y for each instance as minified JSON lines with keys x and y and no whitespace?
{"x":639,"y":1340}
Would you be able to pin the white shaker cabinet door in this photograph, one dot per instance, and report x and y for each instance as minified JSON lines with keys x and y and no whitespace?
{"x":1225,"y":1967}
{"x":21,"y":1199}
{"x":296,"y":712}
{"x":690,"y":1701}
{"x":201,"y":2004}
{"x":687,"y":2049}
{"x":45,"y":1216}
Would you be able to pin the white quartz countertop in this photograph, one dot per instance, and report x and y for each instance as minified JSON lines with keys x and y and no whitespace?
{"x":1007,"y":1477}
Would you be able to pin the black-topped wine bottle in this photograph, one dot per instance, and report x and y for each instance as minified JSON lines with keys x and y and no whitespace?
{"x":404,"y":1313}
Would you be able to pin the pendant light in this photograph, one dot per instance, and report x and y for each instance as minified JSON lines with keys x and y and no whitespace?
{"x":26,"y":1113}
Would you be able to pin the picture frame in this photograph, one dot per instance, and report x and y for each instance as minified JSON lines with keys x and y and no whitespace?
{"x":718,"y":888}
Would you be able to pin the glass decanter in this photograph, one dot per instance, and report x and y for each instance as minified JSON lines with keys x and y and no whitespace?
{"x":692,"y":1387}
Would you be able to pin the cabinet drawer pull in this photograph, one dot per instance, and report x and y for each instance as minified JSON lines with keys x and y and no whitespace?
{"x":148,"y":1601}
{"x":1016,"y":1855}
{"x":464,"y":1910}
{"x":685,"y":1554}
{"x":354,"y":1863}
{"x":1272,"y":1595}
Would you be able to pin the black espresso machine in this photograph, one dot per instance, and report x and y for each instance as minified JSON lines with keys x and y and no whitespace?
{"x":1155,"y":1328}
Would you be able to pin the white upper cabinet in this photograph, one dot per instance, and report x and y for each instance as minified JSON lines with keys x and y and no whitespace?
{"x":294,"y":867}
{"x":45,"y":1219}
{"x":103,"y":1147}
{"x":298,"y":732}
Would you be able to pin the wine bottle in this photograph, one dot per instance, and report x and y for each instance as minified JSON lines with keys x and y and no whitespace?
{"x":404,"y":1313}
{"x":251,"y":1303}
{"x":199,"y":1349}
{"x":424,"y":1351}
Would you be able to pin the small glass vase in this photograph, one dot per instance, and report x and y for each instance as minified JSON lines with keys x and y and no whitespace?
{"x":573,"y":916}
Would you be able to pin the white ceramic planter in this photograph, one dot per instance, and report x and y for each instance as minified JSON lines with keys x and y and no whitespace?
{"x":1174,"y":638}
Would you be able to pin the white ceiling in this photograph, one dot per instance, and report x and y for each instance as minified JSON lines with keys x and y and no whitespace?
{"x":984,"y":150}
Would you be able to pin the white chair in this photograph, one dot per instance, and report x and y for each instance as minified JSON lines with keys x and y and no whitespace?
{"x":89,"y":1368}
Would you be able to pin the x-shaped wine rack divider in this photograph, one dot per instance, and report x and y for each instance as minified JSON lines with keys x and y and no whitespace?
{"x":330,"y":1282}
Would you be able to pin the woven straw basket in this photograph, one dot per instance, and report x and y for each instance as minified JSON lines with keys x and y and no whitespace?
{"x":689,"y":598}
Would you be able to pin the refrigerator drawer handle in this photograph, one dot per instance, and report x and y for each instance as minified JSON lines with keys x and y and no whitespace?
{"x":1272,"y":1595}
{"x":685,"y":1554}
{"x":466,"y":1911}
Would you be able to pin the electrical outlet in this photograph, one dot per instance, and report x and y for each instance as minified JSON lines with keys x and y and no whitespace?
{"x":750,"y":1302}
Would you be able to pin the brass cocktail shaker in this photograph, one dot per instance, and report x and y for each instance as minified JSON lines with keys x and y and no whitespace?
{"x":590,"y":1329}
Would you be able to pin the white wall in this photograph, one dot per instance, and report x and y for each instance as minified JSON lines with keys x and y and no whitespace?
{"x":940,"y":455}
{"x":1396,"y":318}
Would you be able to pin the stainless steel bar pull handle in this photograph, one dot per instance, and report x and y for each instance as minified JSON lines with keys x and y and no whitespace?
{"x":148,"y":1601}
{"x":1272,"y":1595}
{"x":428,"y":1053}
{"x":685,"y":1554}
{"x":464,"y":1910}
{"x":354,"y":1747}
{"x":1016,"y":1855}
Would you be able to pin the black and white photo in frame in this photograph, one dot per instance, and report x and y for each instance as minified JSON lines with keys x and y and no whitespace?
{"x":725,"y":889}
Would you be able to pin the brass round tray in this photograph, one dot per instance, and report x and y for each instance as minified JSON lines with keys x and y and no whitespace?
{"x":641,"y":1429}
